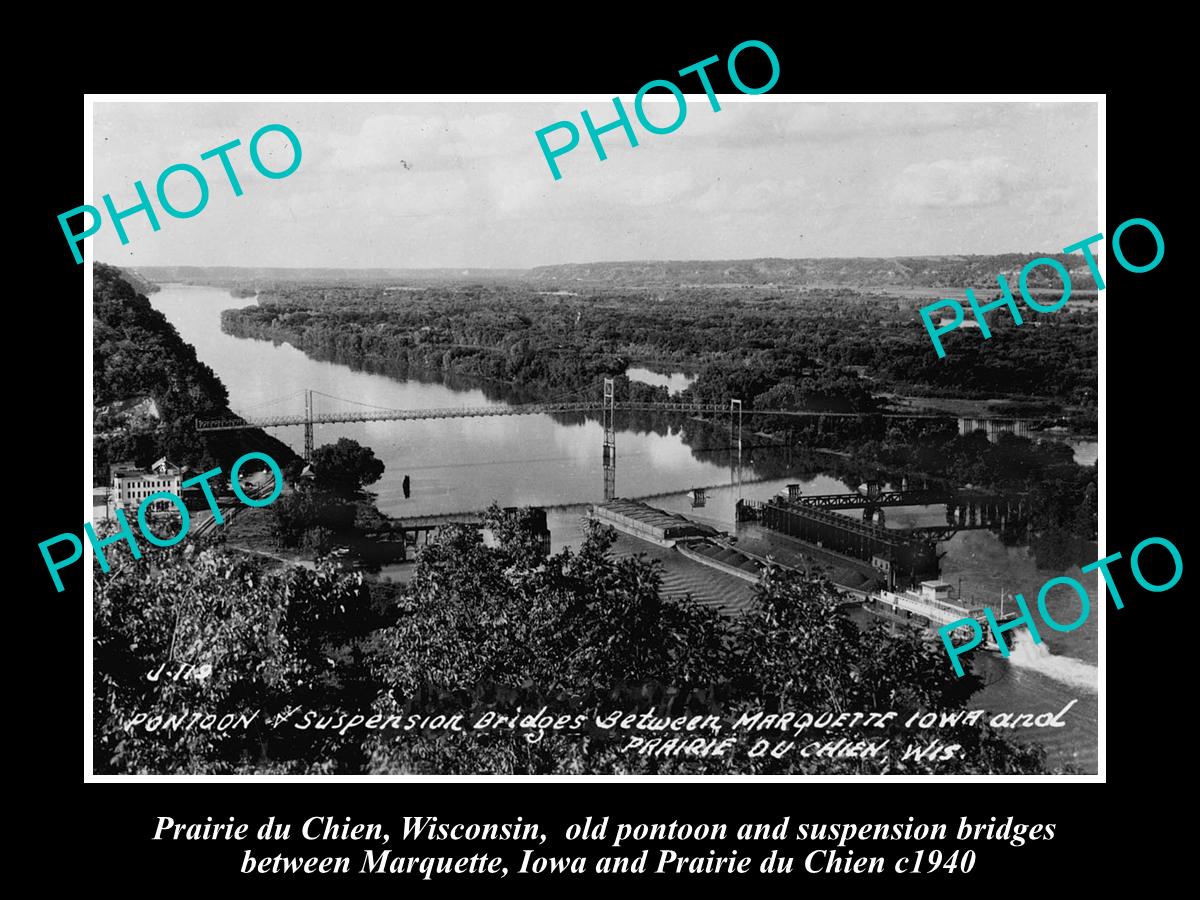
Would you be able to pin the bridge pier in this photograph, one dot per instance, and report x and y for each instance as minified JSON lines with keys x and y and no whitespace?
{"x":736,"y":405}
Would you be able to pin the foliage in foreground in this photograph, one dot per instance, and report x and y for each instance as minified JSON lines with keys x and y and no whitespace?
{"x":489,"y":629}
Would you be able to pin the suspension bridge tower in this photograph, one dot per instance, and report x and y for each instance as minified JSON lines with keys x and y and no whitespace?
{"x":610,"y":440}
{"x":308,"y":426}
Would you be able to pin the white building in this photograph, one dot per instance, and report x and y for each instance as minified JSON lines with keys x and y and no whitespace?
{"x":131,"y":486}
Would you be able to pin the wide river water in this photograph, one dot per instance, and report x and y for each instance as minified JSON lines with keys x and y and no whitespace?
{"x":463,"y":464}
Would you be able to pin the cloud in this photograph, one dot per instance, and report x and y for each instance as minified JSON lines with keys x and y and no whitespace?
{"x":465,"y":184}
{"x":433,"y":141}
{"x":656,"y":189}
{"x":730,"y":196}
{"x":637,"y":186}
{"x":744,"y":124}
{"x":983,"y":181}
{"x":835,"y":121}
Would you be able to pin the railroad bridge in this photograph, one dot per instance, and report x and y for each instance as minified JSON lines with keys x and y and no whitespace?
{"x":902,"y":554}
{"x":965,"y":507}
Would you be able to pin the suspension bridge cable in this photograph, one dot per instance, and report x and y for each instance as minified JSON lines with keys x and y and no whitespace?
{"x":356,"y":402}
{"x":276,"y":400}
{"x":565,"y":398}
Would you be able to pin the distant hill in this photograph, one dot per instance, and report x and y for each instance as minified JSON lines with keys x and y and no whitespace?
{"x":877,"y":272}
{"x":231,"y":276}
{"x":897,"y":271}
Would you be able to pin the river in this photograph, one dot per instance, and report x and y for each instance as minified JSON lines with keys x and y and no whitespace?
{"x":461,"y":465}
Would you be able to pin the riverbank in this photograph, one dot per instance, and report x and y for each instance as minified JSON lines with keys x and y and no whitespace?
{"x":1076,"y":423}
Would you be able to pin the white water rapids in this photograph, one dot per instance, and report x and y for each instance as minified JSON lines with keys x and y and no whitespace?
{"x":1066,"y":669}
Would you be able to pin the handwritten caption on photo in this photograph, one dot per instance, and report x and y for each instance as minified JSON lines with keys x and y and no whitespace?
{"x":647,"y":733}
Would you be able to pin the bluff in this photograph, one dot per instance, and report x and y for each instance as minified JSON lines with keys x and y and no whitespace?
{"x":148,"y":389}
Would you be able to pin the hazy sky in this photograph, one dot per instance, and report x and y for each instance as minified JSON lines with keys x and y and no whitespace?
{"x":465,"y":184}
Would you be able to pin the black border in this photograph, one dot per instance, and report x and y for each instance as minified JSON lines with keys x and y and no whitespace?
{"x":110,"y":825}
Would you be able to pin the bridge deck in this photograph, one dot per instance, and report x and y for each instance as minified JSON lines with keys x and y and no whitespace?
{"x":900,"y":498}
{"x":527,"y":409}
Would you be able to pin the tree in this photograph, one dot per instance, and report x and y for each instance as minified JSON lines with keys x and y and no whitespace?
{"x":346,"y":466}
{"x":504,"y":631}
{"x":309,"y":518}
{"x":499,"y":630}
{"x":137,"y":356}
{"x":273,"y":641}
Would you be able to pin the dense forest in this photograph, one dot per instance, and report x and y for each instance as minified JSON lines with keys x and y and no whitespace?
{"x":497,"y":626}
{"x":148,"y":389}
{"x":493,"y":628}
{"x":830,"y":348}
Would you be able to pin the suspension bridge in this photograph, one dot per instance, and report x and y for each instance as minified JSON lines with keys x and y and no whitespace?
{"x":524,"y":409}
{"x":965,"y":510}
{"x":606,"y":403}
